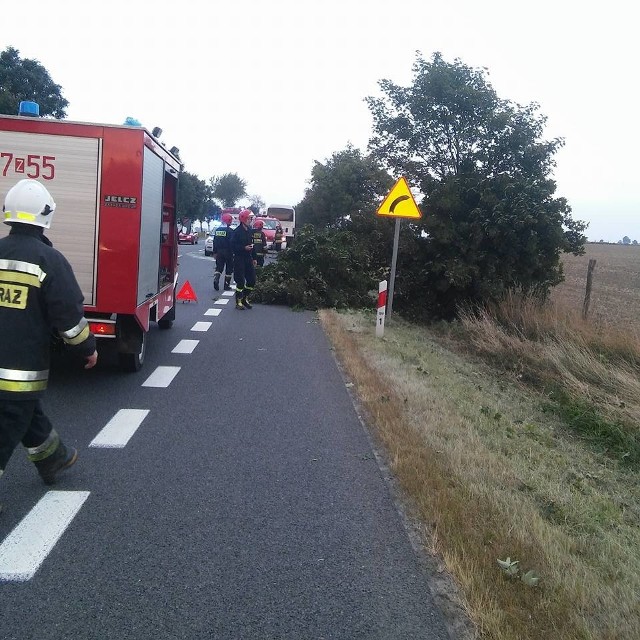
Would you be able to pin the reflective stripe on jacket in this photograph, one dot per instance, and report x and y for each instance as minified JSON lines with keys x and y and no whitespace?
{"x":39,"y":294}
{"x":259,"y":240}
{"x":222,"y":240}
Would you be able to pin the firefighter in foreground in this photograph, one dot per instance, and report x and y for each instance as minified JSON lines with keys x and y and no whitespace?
{"x":223,"y":253}
{"x":244,"y":260}
{"x":39,"y":293}
{"x":259,"y":240}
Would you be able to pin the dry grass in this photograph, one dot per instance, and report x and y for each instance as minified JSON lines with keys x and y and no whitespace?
{"x":493,"y":475}
{"x":555,"y":348}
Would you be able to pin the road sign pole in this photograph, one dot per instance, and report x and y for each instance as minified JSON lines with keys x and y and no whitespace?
{"x":394,"y":259}
{"x":398,"y":203}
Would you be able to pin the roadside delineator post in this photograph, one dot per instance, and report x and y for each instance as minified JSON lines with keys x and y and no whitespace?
{"x":382,"y":305}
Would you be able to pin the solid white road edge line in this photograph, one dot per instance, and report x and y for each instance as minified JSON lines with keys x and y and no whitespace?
{"x":118,"y":431}
{"x":27,"y":546}
{"x":161,"y":377}
{"x":185,"y":346}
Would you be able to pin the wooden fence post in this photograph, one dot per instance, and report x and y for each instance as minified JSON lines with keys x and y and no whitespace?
{"x":587,"y":295}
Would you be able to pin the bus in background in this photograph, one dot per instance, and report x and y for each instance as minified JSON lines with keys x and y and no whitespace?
{"x":287,"y":216}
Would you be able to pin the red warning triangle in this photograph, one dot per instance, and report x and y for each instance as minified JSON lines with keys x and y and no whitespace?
{"x":186,"y":293}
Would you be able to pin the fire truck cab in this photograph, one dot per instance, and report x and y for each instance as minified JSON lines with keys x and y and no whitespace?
{"x":115,"y":189}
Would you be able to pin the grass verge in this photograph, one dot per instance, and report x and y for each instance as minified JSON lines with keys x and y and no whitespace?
{"x":493,"y":475}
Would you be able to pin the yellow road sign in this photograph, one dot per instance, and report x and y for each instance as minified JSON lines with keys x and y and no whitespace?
{"x":399,"y":202}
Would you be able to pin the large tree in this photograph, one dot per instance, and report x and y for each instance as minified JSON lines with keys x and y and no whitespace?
{"x":346,"y":185}
{"x":25,"y":79}
{"x":194,"y":197}
{"x":228,"y":188}
{"x":491,"y":221}
{"x":343,"y":249}
{"x":256,"y":203}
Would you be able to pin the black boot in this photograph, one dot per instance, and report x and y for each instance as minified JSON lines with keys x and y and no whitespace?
{"x":227,"y":283}
{"x":62,"y":458}
{"x":216,"y":281}
{"x":239,"y":301}
{"x":245,"y":302}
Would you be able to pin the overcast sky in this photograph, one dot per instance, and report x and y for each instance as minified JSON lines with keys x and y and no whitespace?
{"x":263,"y":88}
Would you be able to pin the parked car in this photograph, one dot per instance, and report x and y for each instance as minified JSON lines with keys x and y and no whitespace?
{"x":187,"y":238}
{"x":208,"y":245}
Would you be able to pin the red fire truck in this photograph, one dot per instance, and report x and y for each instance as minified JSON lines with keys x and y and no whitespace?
{"x":115,"y":189}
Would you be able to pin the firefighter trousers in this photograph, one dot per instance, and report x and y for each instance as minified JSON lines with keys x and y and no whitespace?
{"x":224,"y":262}
{"x":24,"y":421}
{"x":244,"y":273}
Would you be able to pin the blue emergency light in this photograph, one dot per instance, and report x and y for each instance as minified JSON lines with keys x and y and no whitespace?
{"x":29,"y":108}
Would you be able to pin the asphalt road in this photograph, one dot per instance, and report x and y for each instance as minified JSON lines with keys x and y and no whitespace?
{"x":247,"y":503}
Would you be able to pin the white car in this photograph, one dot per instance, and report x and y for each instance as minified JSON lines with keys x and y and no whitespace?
{"x":208,"y":245}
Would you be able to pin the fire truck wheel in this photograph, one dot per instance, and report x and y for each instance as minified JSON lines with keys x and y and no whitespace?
{"x":132,"y":346}
{"x":166,"y":322}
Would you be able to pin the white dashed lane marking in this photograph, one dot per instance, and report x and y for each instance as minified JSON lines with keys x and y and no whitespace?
{"x":161,"y":377}
{"x":118,"y":431}
{"x":185,"y":346}
{"x":27,"y":546}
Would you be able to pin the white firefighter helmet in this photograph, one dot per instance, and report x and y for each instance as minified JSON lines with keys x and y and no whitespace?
{"x":29,"y":202}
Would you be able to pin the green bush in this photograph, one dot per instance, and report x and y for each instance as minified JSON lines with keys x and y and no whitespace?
{"x":332,"y":268}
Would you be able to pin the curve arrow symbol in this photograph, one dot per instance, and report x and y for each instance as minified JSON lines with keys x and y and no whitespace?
{"x":396,"y":202}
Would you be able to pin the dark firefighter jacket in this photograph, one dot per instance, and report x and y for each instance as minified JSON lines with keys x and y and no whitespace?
{"x":222,"y":241}
{"x":259,"y":240}
{"x":243,"y":236}
{"x":39,"y":294}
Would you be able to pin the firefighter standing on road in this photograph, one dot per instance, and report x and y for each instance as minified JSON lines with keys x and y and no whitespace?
{"x":278,"y":237}
{"x":244,"y":260}
{"x":259,"y":240}
{"x":223,"y":253}
{"x":38,"y":293}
